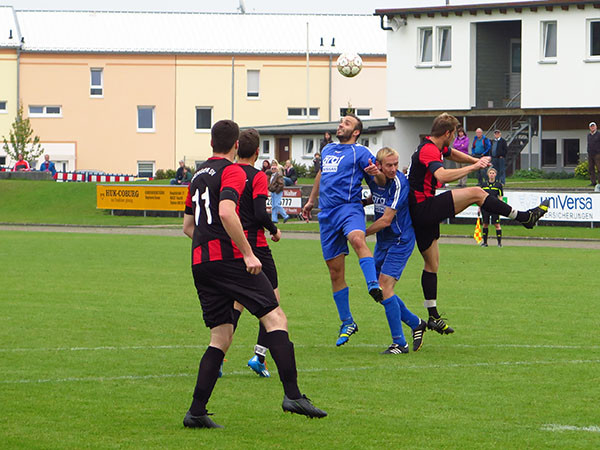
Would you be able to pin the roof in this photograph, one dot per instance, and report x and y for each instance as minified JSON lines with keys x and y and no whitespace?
{"x":370,"y":126}
{"x":9,"y":29}
{"x":484,"y":7}
{"x":198,"y":33}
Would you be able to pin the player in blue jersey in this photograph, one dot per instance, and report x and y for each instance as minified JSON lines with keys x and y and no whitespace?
{"x":395,"y":244}
{"x":342,"y":216}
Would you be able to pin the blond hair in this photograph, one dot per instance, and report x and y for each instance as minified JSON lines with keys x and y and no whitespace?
{"x":385,"y":152}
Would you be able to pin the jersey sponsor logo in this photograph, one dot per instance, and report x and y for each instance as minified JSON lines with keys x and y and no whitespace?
{"x":379,"y":203}
{"x":208,"y":170}
{"x":331,"y":162}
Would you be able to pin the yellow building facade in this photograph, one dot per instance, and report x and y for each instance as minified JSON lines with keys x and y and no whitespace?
{"x":8,"y":96}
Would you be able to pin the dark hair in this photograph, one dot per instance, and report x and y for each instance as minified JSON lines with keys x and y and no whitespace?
{"x":442,"y":123}
{"x":223,"y":135}
{"x":359,"y":125}
{"x":249,"y":141}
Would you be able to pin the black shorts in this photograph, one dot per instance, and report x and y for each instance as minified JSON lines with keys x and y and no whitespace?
{"x":486,"y":216}
{"x":268,"y":264}
{"x":220,"y":283}
{"x":427,"y":215}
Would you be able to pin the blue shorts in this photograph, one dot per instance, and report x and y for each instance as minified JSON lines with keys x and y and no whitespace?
{"x":334,"y":226}
{"x":391,"y":257}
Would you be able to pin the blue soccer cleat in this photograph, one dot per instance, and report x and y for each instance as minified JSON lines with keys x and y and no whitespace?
{"x":258,"y":367}
{"x":345,"y":332}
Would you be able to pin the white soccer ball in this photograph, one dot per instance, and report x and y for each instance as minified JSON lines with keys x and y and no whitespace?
{"x":349,"y":64}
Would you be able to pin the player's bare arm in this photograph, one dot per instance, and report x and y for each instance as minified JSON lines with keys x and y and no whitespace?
{"x":461,"y":157}
{"x":448,"y":175}
{"x":233,"y":227}
{"x":312,"y":198}
{"x":188,"y":225}
{"x":377,"y":174}
{"x":383,"y":222}
{"x":277,"y":236}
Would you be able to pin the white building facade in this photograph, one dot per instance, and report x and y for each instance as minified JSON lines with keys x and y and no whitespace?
{"x":526,"y":68}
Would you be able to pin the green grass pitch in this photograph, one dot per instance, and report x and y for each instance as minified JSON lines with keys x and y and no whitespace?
{"x":101,"y":335}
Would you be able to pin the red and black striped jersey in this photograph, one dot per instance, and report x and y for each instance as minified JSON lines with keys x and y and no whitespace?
{"x":215,"y":180}
{"x":424,"y":162}
{"x":255,"y":221}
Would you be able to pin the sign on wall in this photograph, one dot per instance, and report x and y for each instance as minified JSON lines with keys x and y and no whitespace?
{"x":291,"y":200}
{"x":148,"y":198}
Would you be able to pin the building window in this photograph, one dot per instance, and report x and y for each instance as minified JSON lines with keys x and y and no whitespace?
{"x":570,"y":152}
{"x":425,"y":45}
{"x":145,"y":169}
{"x":3,"y":107}
{"x":253,"y":83}
{"x":96,"y":83}
{"x":203,"y":118}
{"x":444,"y":44}
{"x":145,"y":119}
{"x":364,"y":141}
{"x":549,"y":40}
{"x":197,"y":164}
{"x":266,"y":147}
{"x":300,"y":113}
{"x":359,"y":112}
{"x":2,"y":160}
{"x":309,"y":146}
{"x":45,"y":111}
{"x":548,"y":152}
{"x":347,"y":110}
{"x":594,"y":38}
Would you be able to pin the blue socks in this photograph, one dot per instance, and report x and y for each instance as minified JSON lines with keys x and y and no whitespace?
{"x":408,"y":317}
{"x":393,"y":314}
{"x":342,"y":302}
{"x":367,"y":266}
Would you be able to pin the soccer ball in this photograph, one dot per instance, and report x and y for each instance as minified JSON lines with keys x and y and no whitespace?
{"x":349,"y":64}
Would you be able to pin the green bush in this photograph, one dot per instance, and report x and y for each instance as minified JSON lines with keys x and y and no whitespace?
{"x":165,"y":174}
{"x":581,"y":171}
{"x":301,"y":169}
{"x":562,"y":175}
{"x":531,"y":174}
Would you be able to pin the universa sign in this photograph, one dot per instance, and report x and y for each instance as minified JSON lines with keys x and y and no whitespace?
{"x":141,"y":197}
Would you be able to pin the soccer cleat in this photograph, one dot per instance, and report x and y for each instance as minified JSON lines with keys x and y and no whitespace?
{"x":396,"y":349}
{"x":204,"y":421}
{"x":302,"y":406}
{"x":499,"y":244}
{"x":484,"y":244}
{"x":417,"y":335}
{"x":345,"y":332}
{"x":258,"y":367}
{"x":439,"y":325}
{"x":377,"y":294}
{"x":536,"y":213}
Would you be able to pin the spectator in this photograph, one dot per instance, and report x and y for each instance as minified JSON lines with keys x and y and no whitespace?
{"x":593,"y":152}
{"x":326,"y":140}
{"x":316,"y":163}
{"x":498,"y":154}
{"x":21,"y":165}
{"x":276,"y":188}
{"x":187,"y":176}
{"x":481,"y":147}
{"x":48,"y":166}
{"x":461,"y":143}
{"x":266,"y":166}
{"x":289,"y":174}
{"x":179,"y":175}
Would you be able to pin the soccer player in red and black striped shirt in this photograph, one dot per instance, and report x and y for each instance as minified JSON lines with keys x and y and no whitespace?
{"x":255,"y":219}
{"x":427,"y":173}
{"x":225,"y":269}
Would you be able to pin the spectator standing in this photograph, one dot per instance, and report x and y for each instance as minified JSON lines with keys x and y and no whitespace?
{"x":21,"y":165}
{"x":461,"y":143}
{"x":276,"y":184}
{"x":593,"y":152}
{"x":481,"y":147}
{"x":48,"y":166}
{"x":179,"y":174}
{"x":498,"y":154}
{"x":289,"y":174}
{"x":316,"y":163}
{"x":326,"y":140}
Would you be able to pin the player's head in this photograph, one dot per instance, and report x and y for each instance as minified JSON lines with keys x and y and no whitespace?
{"x":349,"y":129}
{"x":444,"y":126}
{"x":387,"y":161}
{"x":224,"y":136}
{"x":491,"y":173}
{"x":249,"y":142}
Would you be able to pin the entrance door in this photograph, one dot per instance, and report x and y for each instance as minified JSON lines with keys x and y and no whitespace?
{"x":514,"y":80}
{"x":283,"y":149}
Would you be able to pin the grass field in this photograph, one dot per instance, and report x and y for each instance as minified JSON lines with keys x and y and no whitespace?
{"x":101,"y":337}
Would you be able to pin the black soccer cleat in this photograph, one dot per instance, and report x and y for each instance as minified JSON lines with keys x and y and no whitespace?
{"x":377,"y":294}
{"x":439,"y":325}
{"x":302,"y":406}
{"x":417,"y":335}
{"x":536,"y":213}
{"x":395,"y":349}
{"x":204,"y":421}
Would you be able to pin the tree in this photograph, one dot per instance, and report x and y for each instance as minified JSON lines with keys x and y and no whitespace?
{"x":20,"y":139}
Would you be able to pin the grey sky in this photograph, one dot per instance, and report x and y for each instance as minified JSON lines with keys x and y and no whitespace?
{"x":258,"y":6}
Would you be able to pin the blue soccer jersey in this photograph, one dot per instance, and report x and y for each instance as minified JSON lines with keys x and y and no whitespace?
{"x":342,"y":171}
{"x":393,"y":195}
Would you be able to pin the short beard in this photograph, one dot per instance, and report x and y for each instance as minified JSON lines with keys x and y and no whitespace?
{"x":344,"y":138}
